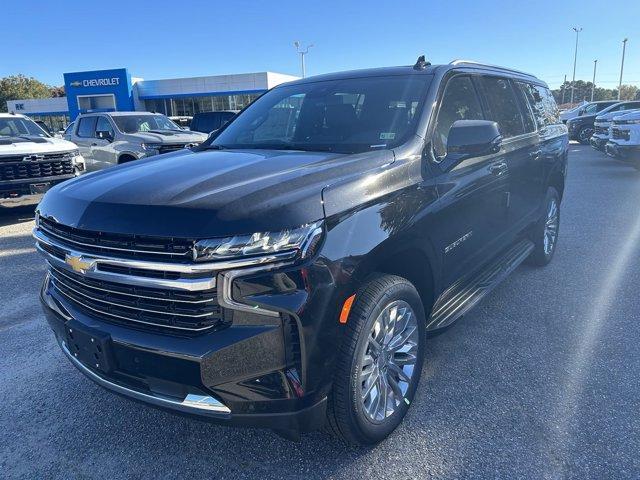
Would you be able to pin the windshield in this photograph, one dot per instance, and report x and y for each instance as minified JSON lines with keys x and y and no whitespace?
{"x":143,"y":123}
{"x":20,"y":127}
{"x":346,"y":116}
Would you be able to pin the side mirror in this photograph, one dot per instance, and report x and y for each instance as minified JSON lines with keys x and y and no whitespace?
{"x":581,"y":112}
{"x":105,"y":135}
{"x":471,"y":138}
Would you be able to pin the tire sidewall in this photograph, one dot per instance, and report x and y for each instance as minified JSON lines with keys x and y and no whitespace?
{"x":370,"y":431}
{"x":551,"y":194}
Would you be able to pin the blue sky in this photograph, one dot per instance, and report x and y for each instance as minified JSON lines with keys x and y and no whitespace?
{"x":165,"y":39}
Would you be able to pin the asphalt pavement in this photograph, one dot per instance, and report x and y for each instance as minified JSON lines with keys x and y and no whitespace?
{"x":541,"y":380}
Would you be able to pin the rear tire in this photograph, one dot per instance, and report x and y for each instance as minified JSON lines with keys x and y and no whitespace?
{"x":545,"y":232}
{"x":379,"y":362}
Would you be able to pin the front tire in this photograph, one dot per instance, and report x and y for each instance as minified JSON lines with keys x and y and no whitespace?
{"x":585,"y":134}
{"x":545,"y":232}
{"x":379,"y":363}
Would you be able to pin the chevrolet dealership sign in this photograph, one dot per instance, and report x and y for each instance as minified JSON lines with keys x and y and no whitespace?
{"x":96,"y":82}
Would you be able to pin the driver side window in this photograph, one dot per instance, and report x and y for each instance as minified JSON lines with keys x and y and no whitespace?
{"x":459,"y":102}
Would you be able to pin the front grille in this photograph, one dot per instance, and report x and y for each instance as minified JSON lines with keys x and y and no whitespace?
{"x":172,"y":147}
{"x":601,"y":130}
{"x":142,"y":306}
{"x":17,"y":169}
{"x":619,"y":134}
{"x":124,"y":246}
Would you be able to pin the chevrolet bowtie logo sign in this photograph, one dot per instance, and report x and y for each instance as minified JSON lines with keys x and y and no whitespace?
{"x":76,"y":84}
{"x":77,"y":263}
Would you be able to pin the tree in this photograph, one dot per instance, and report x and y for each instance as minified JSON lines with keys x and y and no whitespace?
{"x":627,"y":92}
{"x":58,"y":91}
{"x":17,"y":87}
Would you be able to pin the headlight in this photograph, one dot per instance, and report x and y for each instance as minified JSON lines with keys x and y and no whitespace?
{"x":150,"y":146}
{"x":297,"y":239}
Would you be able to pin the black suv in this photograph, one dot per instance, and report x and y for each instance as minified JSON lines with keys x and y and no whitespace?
{"x":286,"y":273}
{"x":208,"y":122}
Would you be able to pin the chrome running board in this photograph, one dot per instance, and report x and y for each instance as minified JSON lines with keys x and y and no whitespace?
{"x":463,"y":295}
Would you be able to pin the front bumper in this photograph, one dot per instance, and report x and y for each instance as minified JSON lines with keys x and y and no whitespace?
{"x":598,"y":142}
{"x":240,"y":375}
{"x":17,"y":193}
{"x":623,"y":152}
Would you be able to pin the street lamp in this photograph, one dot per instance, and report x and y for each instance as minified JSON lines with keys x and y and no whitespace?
{"x":593,"y":84}
{"x":624,"y":47}
{"x":302,"y":51}
{"x":575,"y":59}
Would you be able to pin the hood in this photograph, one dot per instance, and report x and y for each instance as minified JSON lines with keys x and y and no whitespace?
{"x":205,"y":194}
{"x":168,"y":136}
{"x":27,"y":146}
{"x":607,"y":117}
{"x":631,"y":115}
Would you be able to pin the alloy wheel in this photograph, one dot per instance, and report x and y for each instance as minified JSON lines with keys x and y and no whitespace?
{"x":585,"y":134}
{"x":387,"y":361}
{"x":551,"y":225}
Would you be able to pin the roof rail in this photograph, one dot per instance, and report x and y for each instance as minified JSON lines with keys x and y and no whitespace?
{"x":497,"y":67}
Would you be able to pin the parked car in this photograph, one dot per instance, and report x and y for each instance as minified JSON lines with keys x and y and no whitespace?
{"x":32,"y":161}
{"x":572,"y":112}
{"x":625,"y":138}
{"x":108,"y":139}
{"x":285,"y":274}
{"x":45,"y":127}
{"x":582,"y":127}
{"x":182,"y":121}
{"x":208,"y":122}
{"x":602,"y":129}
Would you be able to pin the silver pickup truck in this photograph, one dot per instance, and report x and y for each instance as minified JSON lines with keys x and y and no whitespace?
{"x":110,"y":138}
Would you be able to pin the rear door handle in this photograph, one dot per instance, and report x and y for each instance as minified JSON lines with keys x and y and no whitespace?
{"x":498,"y":168}
{"x":535,"y":154}
{"x":94,"y":144}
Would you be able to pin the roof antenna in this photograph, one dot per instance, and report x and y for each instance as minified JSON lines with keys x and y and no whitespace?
{"x":421,"y":64}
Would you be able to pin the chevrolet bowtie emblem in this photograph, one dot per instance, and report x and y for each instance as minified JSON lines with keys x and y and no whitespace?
{"x":77,"y":263}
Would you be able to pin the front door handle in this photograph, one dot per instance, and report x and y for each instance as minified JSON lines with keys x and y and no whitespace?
{"x":94,"y":144}
{"x":535,"y":154}
{"x":498,"y":168}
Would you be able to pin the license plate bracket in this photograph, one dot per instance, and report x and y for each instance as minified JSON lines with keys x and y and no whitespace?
{"x":39,"y":187}
{"x":90,"y":347}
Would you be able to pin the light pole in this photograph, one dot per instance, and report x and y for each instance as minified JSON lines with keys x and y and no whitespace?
{"x":575,"y":60}
{"x":302,"y":53}
{"x":624,"y":47}
{"x":593,"y":84}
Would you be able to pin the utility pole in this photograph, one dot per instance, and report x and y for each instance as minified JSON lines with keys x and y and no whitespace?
{"x":593,"y":84}
{"x":564,"y":88}
{"x":575,"y":60}
{"x":302,"y":51}
{"x":624,"y":47}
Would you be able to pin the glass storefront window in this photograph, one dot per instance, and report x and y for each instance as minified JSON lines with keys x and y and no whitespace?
{"x":189,"y":106}
{"x":55,"y":123}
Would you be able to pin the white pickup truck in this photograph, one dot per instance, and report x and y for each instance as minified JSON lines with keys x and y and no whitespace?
{"x":32,"y":161}
{"x":625,"y":138}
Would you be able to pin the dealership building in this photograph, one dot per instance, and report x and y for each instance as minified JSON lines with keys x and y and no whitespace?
{"x":117,"y":90}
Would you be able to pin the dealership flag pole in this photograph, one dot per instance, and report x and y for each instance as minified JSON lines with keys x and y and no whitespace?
{"x":575,"y":59}
{"x":624,"y":47}
{"x":593,"y":84}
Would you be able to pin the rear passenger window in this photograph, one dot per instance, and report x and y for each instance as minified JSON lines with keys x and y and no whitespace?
{"x":459,"y":102}
{"x":503,"y":106}
{"x":86,"y":126}
{"x":542,"y":103}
